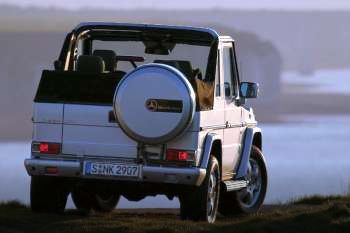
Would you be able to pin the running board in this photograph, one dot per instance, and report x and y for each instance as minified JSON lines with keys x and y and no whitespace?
{"x":234,"y":185}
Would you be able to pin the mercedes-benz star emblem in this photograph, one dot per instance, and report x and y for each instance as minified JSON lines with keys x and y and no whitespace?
{"x":152,"y":105}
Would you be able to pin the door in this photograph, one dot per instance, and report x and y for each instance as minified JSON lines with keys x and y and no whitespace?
{"x":233,"y":112}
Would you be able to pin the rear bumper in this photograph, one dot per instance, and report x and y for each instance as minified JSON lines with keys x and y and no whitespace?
{"x":153,"y":174}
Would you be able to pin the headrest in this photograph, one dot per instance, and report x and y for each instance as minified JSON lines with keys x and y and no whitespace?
{"x":109,"y":57}
{"x":90,"y":64}
{"x":184,"y":66}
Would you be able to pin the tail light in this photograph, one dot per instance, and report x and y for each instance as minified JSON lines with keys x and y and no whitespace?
{"x":46,"y":147}
{"x":179,"y":155}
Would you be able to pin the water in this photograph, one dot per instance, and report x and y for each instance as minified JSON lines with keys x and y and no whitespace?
{"x":307,"y":155}
{"x":319,"y":82}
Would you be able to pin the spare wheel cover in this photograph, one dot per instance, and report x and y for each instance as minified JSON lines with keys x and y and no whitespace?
{"x":154,"y":103}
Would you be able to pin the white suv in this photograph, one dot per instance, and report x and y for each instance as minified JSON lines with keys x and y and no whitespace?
{"x":138,"y":110}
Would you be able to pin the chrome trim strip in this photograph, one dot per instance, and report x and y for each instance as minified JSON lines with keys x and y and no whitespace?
{"x":227,"y":125}
{"x":223,"y":126}
{"x":235,"y":125}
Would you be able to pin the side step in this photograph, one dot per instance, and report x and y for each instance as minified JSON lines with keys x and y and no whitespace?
{"x":234,"y":185}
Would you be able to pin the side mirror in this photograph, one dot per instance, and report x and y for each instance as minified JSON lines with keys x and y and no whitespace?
{"x":249,"y":90}
{"x":58,"y":65}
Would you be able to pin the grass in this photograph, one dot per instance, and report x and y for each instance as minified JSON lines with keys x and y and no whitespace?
{"x":319,"y":200}
{"x":307,"y":215}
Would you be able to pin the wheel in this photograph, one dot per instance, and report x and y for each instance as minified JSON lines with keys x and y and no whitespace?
{"x":250,"y":199}
{"x":201,"y":203}
{"x":105,"y":201}
{"x":48,"y":194}
{"x":86,"y":200}
{"x":82,"y":199}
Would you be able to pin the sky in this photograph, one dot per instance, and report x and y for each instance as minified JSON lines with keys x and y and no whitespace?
{"x":187,"y":4}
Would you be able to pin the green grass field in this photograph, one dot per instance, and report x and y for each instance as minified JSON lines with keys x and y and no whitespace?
{"x":312,"y":214}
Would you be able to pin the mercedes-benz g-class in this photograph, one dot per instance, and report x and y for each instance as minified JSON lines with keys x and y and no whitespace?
{"x":135,"y":110}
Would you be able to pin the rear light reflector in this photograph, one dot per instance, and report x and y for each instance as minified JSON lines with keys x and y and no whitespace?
{"x":46,"y":147}
{"x":179,"y":155}
{"x":51,"y":170}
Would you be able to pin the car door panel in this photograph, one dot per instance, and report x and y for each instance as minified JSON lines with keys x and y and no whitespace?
{"x":233,"y":112}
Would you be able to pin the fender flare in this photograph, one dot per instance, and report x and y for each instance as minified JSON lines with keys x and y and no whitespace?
{"x":210,"y":138}
{"x":247,"y":146}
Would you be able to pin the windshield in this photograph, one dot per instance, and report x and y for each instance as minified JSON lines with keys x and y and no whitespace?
{"x":190,"y":52}
{"x":197,"y":56}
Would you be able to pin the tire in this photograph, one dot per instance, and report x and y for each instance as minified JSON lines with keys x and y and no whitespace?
{"x":250,"y":199}
{"x":48,"y":194}
{"x":82,"y":199}
{"x":154,"y":104}
{"x":85,"y":200}
{"x":105,"y":202}
{"x":201,"y":203}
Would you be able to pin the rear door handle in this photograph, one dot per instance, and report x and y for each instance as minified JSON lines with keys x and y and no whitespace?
{"x":111,"y":117}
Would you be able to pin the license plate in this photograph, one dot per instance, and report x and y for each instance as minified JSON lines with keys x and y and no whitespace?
{"x":111,"y":169}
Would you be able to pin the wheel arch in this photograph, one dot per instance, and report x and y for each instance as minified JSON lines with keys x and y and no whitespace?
{"x":212,"y":145}
{"x":252,"y":137}
{"x":257,"y":140}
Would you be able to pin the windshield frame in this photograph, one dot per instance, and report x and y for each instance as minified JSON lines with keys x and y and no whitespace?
{"x":189,"y":35}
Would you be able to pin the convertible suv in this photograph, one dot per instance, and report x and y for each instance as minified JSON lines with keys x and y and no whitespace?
{"x":135,"y":110}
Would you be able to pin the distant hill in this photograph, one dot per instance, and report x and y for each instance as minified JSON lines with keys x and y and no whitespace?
{"x":307,"y":40}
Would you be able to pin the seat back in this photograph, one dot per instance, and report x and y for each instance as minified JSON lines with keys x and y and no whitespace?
{"x":186,"y":68}
{"x":90,"y":64}
{"x":109,"y":57}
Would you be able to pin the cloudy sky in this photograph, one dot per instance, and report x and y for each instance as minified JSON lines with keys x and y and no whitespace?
{"x":189,"y":4}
